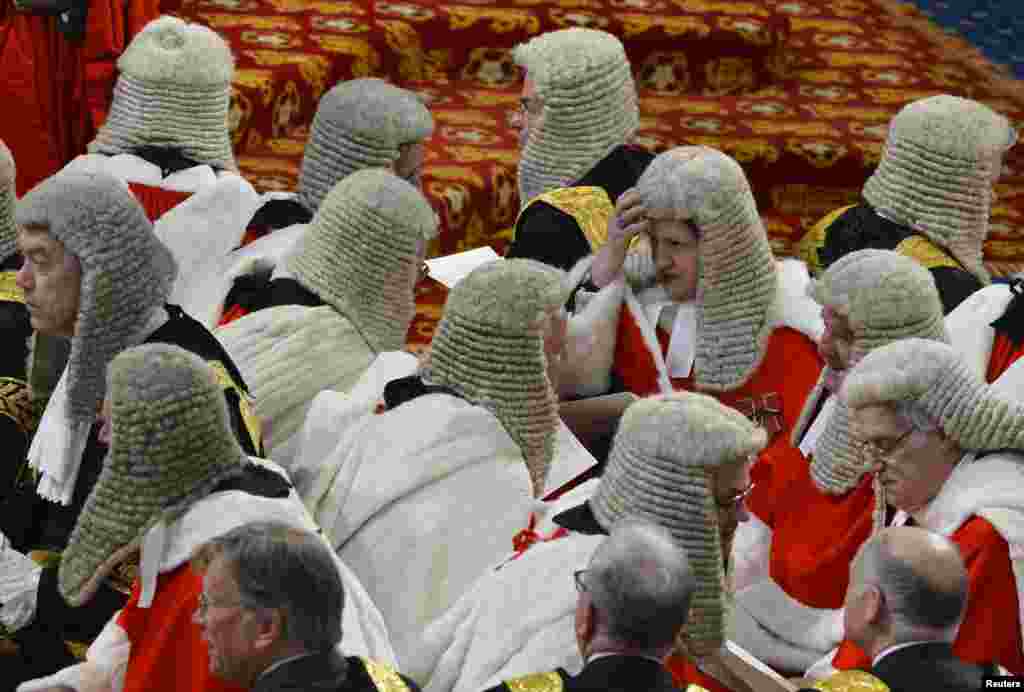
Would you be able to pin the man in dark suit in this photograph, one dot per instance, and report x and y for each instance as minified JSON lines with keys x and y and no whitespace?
{"x":634,"y":597}
{"x":271,"y":613}
{"x":907,"y":595}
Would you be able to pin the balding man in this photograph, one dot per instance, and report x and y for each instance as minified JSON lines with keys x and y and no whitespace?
{"x":907,"y":596}
{"x":634,"y":596}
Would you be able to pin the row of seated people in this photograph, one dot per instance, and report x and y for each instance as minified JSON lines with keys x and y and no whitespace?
{"x":699,"y":303}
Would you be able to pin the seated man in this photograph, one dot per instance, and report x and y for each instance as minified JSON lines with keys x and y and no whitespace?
{"x":678,"y":460}
{"x":578,"y":111}
{"x":634,"y":597}
{"x":908,"y":593}
{"x":362,"y":123}
{"x":929,"y":427}
{"x":175,"y":479}
{"x":988,"y":328}
{"x":451,"y":466}
{"x":930,"y":198}
{"x":792,"y":559}
{"x":344,"y":294}
{"x":95,"y":274}
{"x":17,"y":417}
{"x":706,"y":308}
{"x":284,"y":583}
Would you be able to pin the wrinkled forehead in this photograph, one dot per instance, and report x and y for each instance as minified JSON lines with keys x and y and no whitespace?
{"x":37,"y":238}
{"x":680,"y":230}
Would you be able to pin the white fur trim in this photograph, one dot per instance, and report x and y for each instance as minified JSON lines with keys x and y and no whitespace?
{"x":989,"y":488}
{"x":969,"y":325}
{"x":650,"y":337}
{"x":200,"y":232}
{"x":751,"y":551}
{"x":422,"y":500}
{"x":796,"y":309}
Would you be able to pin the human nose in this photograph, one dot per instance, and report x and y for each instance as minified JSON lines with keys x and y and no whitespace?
{"x":517,"y":118}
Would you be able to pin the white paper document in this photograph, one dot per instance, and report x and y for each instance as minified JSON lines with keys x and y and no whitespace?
{"x":451,"y":269}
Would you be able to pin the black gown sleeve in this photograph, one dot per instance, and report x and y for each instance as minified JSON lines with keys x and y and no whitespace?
{"x":548,"y":235}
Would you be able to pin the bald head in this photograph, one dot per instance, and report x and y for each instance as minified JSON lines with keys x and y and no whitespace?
{"x":922,"y":578}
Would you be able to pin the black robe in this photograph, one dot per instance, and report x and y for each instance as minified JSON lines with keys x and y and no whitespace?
{"x":17,"y":415}
{"x":552,"y":236}
{"x":332,"y":672}
{"x":615,"y":673}
{"x":860,"y":227}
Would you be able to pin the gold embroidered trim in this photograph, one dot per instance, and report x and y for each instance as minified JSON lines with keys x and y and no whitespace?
{"x":695,"y":688}
{"x":589,"y":206}
{"x":538,"y":682}
{"x":927,"y":253}
{"x":384,"y":678}
{"x":16,"y":404}
{"x":249,"y":417}
{"x":851,"y":681}
{"x":122,"y":577}
{"x":807,"y":247}
{"x":9,"y":290}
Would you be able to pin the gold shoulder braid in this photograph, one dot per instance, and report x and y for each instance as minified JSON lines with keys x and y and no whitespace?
{"x":9,"y":290}
{"x":249,"y":418}
{"x":851,"y":681}
{"x":927,"y":253}
{"x":538,"y":682}
{"x":16,"y":404}
{"x":813,"y":240}
{"x":384,"y":678}
{"x":589,"y":206}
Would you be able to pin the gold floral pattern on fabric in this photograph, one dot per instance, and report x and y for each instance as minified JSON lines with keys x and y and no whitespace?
{"x":750,"y":30}
{"x":851,"y":681}
{"x":693,"y":687}
{"x":818,"y":153}
{"x":10,"y":292}
{"x":457,"y":173}
{"x":314,"y":68}
{"x":468,"y":154}
{"x":345,"y":25}
{"x":726,"y":75}
{"x":270,"y":39}
{"x":664,"y":72}
{"x":490,"y":66}
{"x":927,"y":253}
{"x":793,"y":127}
{"x":834,"y":26}
{"x":402,"y":38}
{"x":384,"y":678}
{"x":635,"y":24}
{"x":259,"y":80}
{"x":251,"y":21}
{"x":367,"y":58}
{"x":286,"y":108}
{"x":589,"y":206}
{"x":500,"y":21}
{"x":321,"y":6}
{"x":538,"y":682}
{"x":742,"y":149}
{"x":841,"y":112}
{"x":464,"y":117}
{"x":826,"y":77}
{"x":898,"y":96}
{"x":878,"y":60}
{"x":565,"y":17}
{"x":16,"y":404}
{"x":249,"y":417}
{"x":798,"y":199}
{"x":286,"y":147}
{"x":754,"y":9}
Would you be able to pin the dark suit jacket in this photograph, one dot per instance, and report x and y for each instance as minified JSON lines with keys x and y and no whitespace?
{"x":608,"y":674}
{"x":332,"y":672}
{"x":930,"y":666}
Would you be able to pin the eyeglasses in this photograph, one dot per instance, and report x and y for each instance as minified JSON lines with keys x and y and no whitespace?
{"x":737,"y":498}
{"x":872,"y":453}
{"x":205,"y":604}
{"x":577,"y":577}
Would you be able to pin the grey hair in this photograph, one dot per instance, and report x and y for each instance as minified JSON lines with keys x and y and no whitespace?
{"x":917,"y":607}
{"x":915,"y":416}
{"x":281,"y":567}
{"x":641,"y":580}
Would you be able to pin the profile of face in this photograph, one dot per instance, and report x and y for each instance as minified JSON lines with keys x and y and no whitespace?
{"x":675,"y":248}
{"x":51,"y":278}
{"x":835,"y":346}
{"x":730,"y":484}
{"x":409,"y":164}
{"x":912,"y":465}
{"x":530,"y":115}
{"x":230,"y":630}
